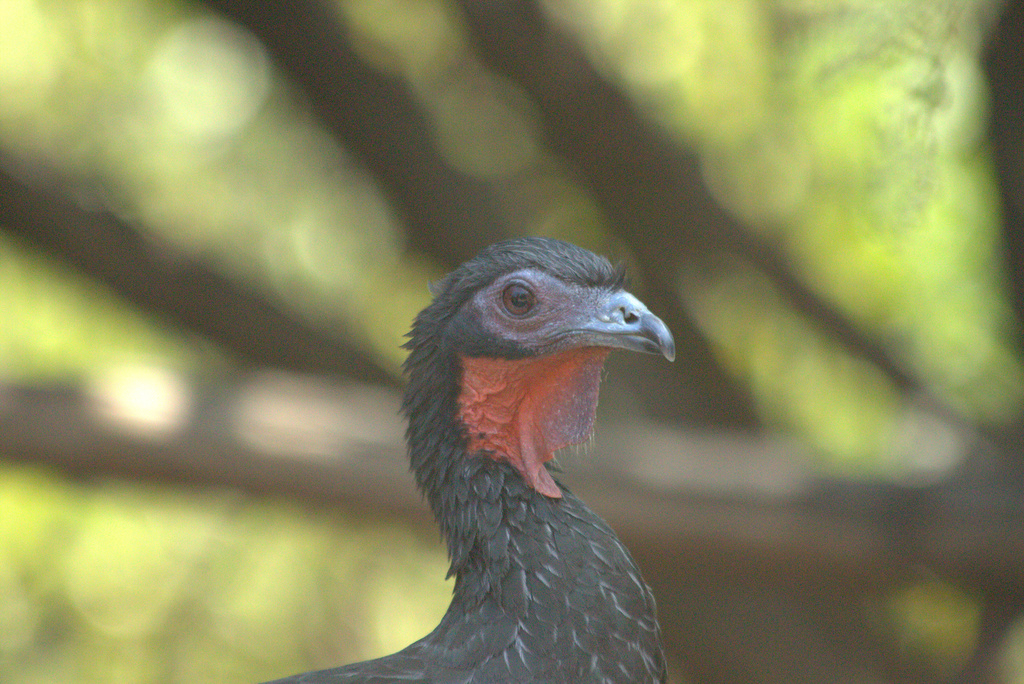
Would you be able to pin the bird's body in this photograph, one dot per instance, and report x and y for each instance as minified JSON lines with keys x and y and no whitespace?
{"x":556,"y":600}
{"x":504,"y":368}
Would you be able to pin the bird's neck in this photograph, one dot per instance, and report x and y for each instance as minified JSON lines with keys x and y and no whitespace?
{"x":479,"y":435}
{"x":535,"y":574}
{"x":487,"y":513}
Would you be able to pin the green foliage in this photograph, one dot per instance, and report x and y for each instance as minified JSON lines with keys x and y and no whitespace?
{"x":934,"y":622}
{"x":57,"y":325}
{"x":132,"y":584}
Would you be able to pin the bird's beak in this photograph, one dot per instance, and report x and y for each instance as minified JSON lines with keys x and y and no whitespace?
{"x":623,"y":322}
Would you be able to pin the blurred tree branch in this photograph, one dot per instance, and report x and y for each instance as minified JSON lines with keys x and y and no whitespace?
{"x":163,"y":281}
{"x":340,"y":444}
{"x":448,"y":215}
{"x":1004,"y":69}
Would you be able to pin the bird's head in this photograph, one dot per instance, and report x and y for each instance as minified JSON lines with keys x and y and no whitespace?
{"x":512,"y":348}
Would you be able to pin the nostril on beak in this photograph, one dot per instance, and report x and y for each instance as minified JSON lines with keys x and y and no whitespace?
{"x":622,"y":309}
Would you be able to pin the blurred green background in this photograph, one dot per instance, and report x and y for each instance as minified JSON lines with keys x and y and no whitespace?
{"x":850,"y":134}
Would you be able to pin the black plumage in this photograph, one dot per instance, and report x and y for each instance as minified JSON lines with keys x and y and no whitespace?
{"x":503,"y":368}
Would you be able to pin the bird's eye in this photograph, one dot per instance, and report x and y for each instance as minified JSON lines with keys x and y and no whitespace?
{"x":517,"y":299}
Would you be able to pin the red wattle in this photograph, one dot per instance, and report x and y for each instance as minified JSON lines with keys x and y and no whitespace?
{"x":524,"y":410}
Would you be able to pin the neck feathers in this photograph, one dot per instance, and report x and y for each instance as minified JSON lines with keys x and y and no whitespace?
{"x":478,"y":502}
{"x":481,"y":430}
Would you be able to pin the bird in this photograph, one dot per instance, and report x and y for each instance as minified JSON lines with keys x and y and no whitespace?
{"x":503,"y":370}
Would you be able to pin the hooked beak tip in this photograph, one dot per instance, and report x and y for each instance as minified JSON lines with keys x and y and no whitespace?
{"x":669,"y":351}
